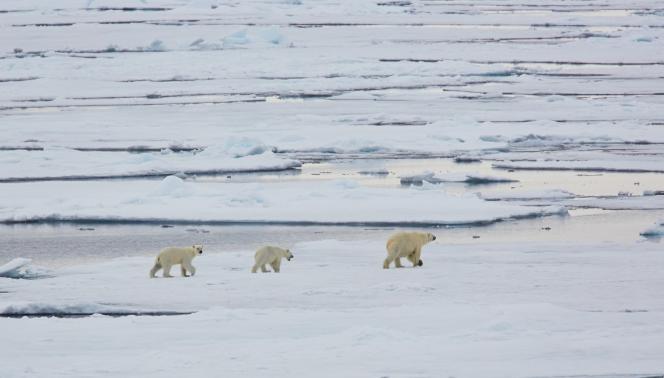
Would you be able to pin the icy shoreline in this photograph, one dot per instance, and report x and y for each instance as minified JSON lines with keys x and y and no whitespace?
{"x":55,"y":220}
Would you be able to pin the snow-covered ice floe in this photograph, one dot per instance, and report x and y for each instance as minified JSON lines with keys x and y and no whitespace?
{"x":341,"y":76}
{"x":176,"y":200}
{"x":54,"y":164}
{"x":508,"y":310}
{"x":625,"y":202}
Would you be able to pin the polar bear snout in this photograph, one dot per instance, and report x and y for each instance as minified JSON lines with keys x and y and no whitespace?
{"x":433,"y":237}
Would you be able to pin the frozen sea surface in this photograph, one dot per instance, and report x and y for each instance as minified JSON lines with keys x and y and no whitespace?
{"x":568,"y":309}
{"x":338,"y":100}
{"x":342,"y":76}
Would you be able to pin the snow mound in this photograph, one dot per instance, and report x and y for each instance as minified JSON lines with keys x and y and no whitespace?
{"x":13,"y":266}
{"x":255,"y":36}
{"x":419,"y":179}
{"x":236,"y":39}
{"x":534,"y":140}
{"x":235,"y":147}
{"x":20,"y":268}
{"x":172,"y":186}
{"x":154,"y":46}
{"x":202,"y":45}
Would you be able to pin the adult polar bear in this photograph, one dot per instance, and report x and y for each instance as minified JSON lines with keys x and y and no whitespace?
{"x":408,"y":245}
{"x":270,"y":255}
{"x":174,"y":256}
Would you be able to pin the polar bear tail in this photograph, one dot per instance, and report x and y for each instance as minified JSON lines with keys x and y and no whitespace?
{"x":155,"y":268}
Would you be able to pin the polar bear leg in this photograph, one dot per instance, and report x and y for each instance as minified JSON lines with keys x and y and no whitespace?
{"x":167,"y":271}
{"x":411,"y":258}
{"x":416,"y":257}
{"x":397,"y":262}
{"x":186,"y":265}
{"x":264,"y":269}
{"x":183,"y":271}
{"x":276,"y":264}
{"x":155,"y":268}
{"x":254,"y":269}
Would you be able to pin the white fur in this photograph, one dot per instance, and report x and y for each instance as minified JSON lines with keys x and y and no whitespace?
{"x":270,"y":255}
{"x":408,"y":245}
{"x":174,"y":256}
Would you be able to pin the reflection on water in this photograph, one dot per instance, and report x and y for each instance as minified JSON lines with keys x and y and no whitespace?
{"x":580,"y":183}
{"x":54,"y":246}
{"x":57,"y":245}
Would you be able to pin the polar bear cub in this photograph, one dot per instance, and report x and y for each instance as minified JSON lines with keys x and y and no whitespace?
{"x":270,"y":255}
{"x":173,"y":256}
{"x":408,"y":245}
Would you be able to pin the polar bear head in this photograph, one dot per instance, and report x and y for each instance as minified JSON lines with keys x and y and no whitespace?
{"x":198,"y":249}
{"x":287,"y":254}
{"x":430,"y":237}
